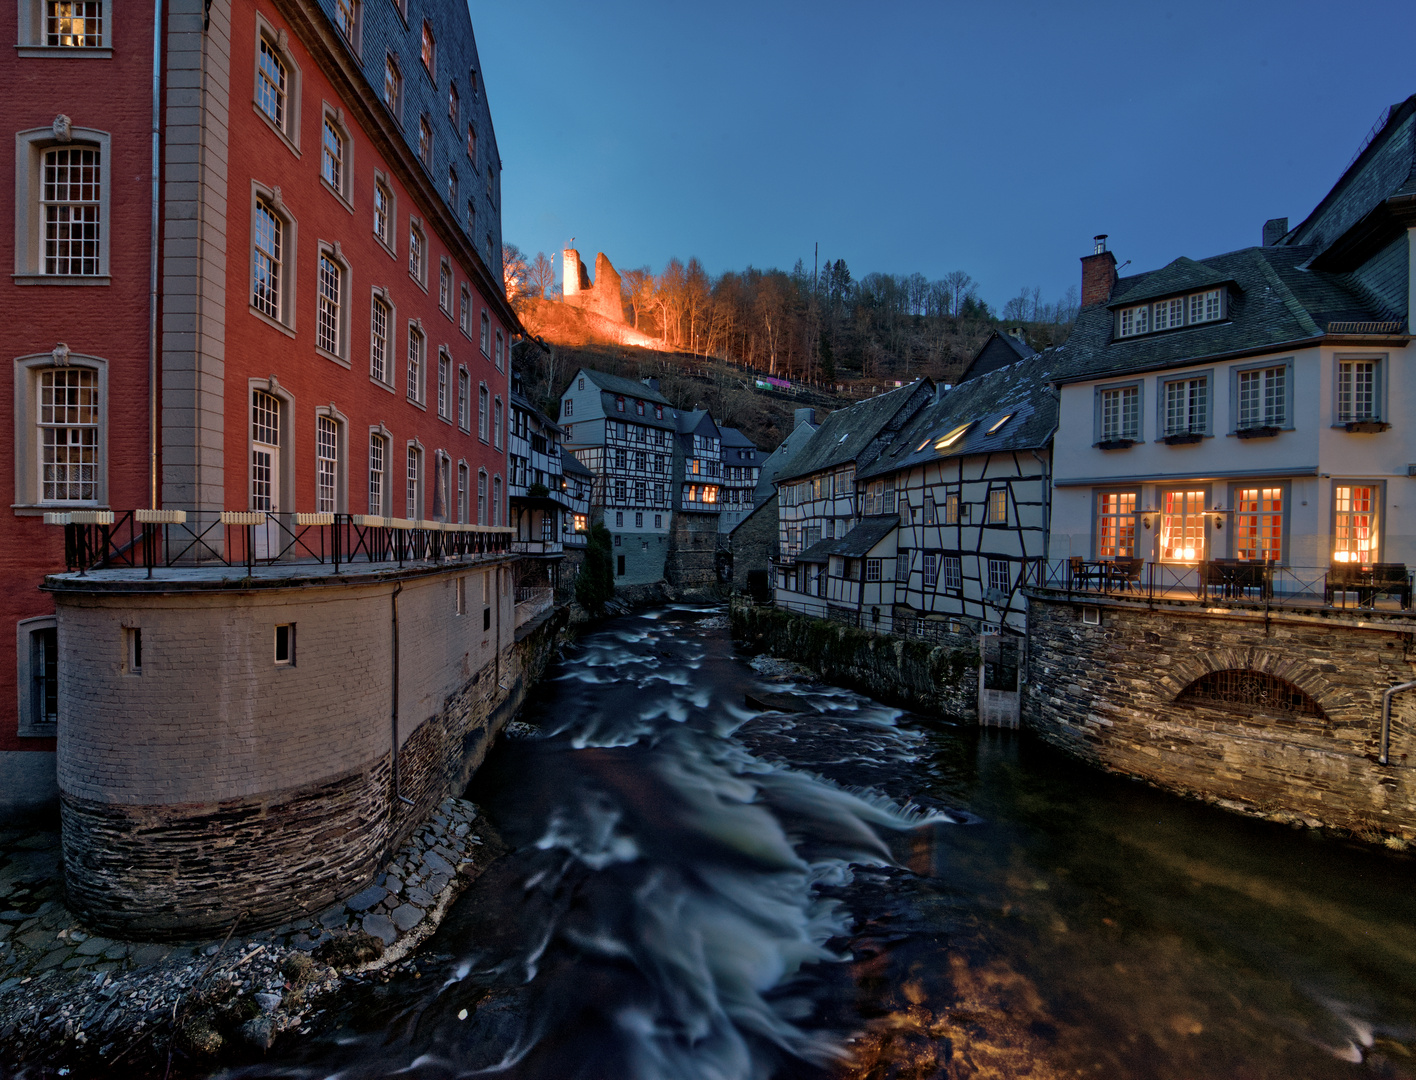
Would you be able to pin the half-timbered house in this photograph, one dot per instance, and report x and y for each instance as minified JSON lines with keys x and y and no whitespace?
{"x":742,"y":464}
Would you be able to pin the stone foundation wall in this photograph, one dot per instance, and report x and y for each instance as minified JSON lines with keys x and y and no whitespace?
{"x":927,"y":678}
{"x":197,"y":790}
{"x":1107,"y":693}
{"x":693,"y":551}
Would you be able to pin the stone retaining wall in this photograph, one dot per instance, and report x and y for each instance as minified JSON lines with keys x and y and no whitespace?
{"x":1107,"y":693}
{"x":927,"y":678}
{"x":213,"y":783}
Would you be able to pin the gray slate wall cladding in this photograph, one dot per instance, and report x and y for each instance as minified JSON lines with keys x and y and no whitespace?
{"x":1107,"y":694}
{"x":1385,"y":275}
{"x":214,"y":783}
{"x":383,"y":31}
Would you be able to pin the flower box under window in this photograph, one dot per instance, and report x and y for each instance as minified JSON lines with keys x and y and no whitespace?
{"x":1367,"y":427}
{"x":1116,"y":444}
{"x":1181,"y":438}
{"x":1263,"y":431}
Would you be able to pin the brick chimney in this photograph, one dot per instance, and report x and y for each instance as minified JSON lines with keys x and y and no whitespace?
{"x":1098,"y":274}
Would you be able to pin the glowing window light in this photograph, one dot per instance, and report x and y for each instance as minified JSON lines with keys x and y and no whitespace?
{"x":998,"y":424}
{"x":953,"y":436}
{"x":922,"y":445}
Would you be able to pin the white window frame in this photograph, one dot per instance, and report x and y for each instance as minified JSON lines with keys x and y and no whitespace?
{"x":343,"y":303}
{"x":1343,"y":416}
{"x":1163,"y":383}
{"x":1172,"y":313}
{"x":481,"y":496}
{"x":285,"y":475}
{"x":952,"y":571}
{"x":29,"y":492}
{"x":379,"y":467}
{"x":284,"y":319}
{"x":498,"y":414}
{"x":32,"y":39}
{"x":32,"y":725}
{"x":414,"y":481}
{"x":393,"y":68}
{"x":486,"y":340}
{"x":464,"y":313}
{"x":464,"y":399}
{"x":380,"y":297}
{"x":327,"y":414}
{"x":1284,"y":488}
{"x":464,"y":494}
{"x":30,"y":148}
{"x":415,"y":364}
{"x":1262,"y":369}
{"x":389,"y":237}
{"x":1378,"y":511}
{"x":483,"y":410}
{"x":1102,"y":434}
{"x":445,"y":368}
{"x":342,"y":185}
{"x":1100,"y":550}
{"x":289,"y":128}
{"x":418,"y":253}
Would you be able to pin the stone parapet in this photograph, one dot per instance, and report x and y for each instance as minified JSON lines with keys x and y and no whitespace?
{"x":1115,"y":683}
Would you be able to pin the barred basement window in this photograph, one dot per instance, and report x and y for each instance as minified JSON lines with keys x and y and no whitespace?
{"x":68,"y":425}
{"x":71,"y":200}
{"x":1249,"y":689}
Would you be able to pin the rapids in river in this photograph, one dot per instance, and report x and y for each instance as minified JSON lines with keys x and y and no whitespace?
{"x":717,"y":874}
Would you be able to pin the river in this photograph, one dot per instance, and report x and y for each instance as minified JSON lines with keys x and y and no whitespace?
{"x":698,"y":889}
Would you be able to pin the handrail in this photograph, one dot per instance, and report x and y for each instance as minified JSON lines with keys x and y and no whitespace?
{"x":1383,"y":757}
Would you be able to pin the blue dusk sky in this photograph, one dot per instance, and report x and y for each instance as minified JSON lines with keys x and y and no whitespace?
{"x":993,"y":137}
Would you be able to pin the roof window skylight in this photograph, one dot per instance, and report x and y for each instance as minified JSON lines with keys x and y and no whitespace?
{"x":954,"y":436}
{"x":999,"y":423}
{"x":922,"y":445}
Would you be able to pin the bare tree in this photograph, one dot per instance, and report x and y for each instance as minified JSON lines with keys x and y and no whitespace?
{"x":541,"y":275}
{"x":513,"y":270}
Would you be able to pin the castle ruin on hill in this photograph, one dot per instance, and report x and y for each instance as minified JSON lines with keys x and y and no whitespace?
{"x":601,"y":297}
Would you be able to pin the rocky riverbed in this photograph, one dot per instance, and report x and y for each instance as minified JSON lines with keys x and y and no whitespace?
{"x":75,"y":1003}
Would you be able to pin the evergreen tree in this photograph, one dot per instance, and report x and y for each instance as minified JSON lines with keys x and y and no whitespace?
{"x":595,"y":583}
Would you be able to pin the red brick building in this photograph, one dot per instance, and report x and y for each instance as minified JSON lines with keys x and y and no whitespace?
{"x":328,"y":332}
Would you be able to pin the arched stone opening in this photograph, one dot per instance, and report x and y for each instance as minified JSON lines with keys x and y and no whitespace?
{"x":1250,"y":690}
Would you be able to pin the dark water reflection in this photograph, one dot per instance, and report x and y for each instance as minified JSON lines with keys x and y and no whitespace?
{"x":702,"y":890}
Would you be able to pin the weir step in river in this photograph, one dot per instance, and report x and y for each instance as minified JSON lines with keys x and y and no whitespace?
{"x":710,"y":880}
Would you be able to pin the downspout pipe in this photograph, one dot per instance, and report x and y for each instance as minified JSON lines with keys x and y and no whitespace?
{"x":393,"y":716}
{"x":1383,"y":757}
{"x":153,"y":257}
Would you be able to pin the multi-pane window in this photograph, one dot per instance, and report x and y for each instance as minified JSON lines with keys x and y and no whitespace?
{"x":496,"y":500}
{"x":952,"y":505}
{"x":462,"y":494}
{"x":1182,"y":526}
{"x":414,"y":483}
{"x":1355,"y":519}
{"x":464,"y":392}
{"x":68,"y":435}
{"x":471,"y":216}
{"x":953,"y":572}
{"x":472,"y":142}
{"x":415,"y":365}
{"x":415,"y":253}
{"x":270,"y":84}
{"x":1187,"y":406}
{"x":497,"y":423}
{"x":393,"y":85}
{"x":1204,"y":307}
{"x":70,"y":204}
{"x":74,"y":24}
{"x":902,"y":565}
{"x":1171,"y":313}
{"x":452,"y":187}
{"x":378,"y":456}
{"x":1000,"y":574}
{"x":1120,"y":413}
{"x":452,"y":104}
{"x":486,"y":335}
{"x":1168,"y":314}
{"x":481,"y":498}
{"x":332,"y":157}
{"x":430,"y":49}
{"x":1116,"y":525}
{"x":872,"y":569}
{"x":379,"y":319}
{"x":464,"y":313}
{"x":345,"y":17}
{"x":1357,"y":391}
{"x":445,"y":286}
{"x":265,"y":451}
{"x":425,"y":141}
{"x":500,"y":350}
{"x":998,"y":506}
{"x":327,"y":324}
{"x":265,"y":290}
{"x":1258,"y":523}
{"x":326,"y":464}
{"x":931,"y":569}
{"x":383,"y":214}
{"x":1263,"y":397}
{"x":1135,"y":321}
{"x":482,"y":413}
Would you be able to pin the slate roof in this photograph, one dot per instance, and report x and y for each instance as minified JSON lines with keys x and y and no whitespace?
{"x":846,"y":433}
{"x":1022,"y":392}
{"x":612,"y":386}
{"x":571,"y":464}
{"x":855,"y":544}
{"x":1275,"y":302}
{"x":733,"y":437}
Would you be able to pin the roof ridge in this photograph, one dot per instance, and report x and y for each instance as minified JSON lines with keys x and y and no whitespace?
{"x":1285,"y":294}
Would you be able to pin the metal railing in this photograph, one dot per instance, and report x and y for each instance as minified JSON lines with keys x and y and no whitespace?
{"x":1381,"y":587}
{"x":151,"y":539}
{"x":531,"y":601}
{"x":536,"y":547}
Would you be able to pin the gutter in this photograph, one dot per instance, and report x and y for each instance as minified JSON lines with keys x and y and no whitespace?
{"x":153,"y":259}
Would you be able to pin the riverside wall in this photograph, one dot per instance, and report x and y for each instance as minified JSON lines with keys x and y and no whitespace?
{"x":213,"y":782}
{"x":1108,"y":693}
{"x":932,"y":679}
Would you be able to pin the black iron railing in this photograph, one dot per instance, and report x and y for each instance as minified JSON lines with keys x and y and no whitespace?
{"x":151,"y":539}
{"x":1379,"y":586}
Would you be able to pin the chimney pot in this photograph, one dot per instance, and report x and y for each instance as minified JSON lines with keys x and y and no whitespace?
{"x":1099,"y":243}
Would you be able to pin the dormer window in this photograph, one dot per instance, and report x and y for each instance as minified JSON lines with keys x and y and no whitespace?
{"x":1171,"y":313}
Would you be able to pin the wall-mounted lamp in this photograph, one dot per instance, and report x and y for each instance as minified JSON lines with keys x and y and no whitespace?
{"x":1218,"y":522}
